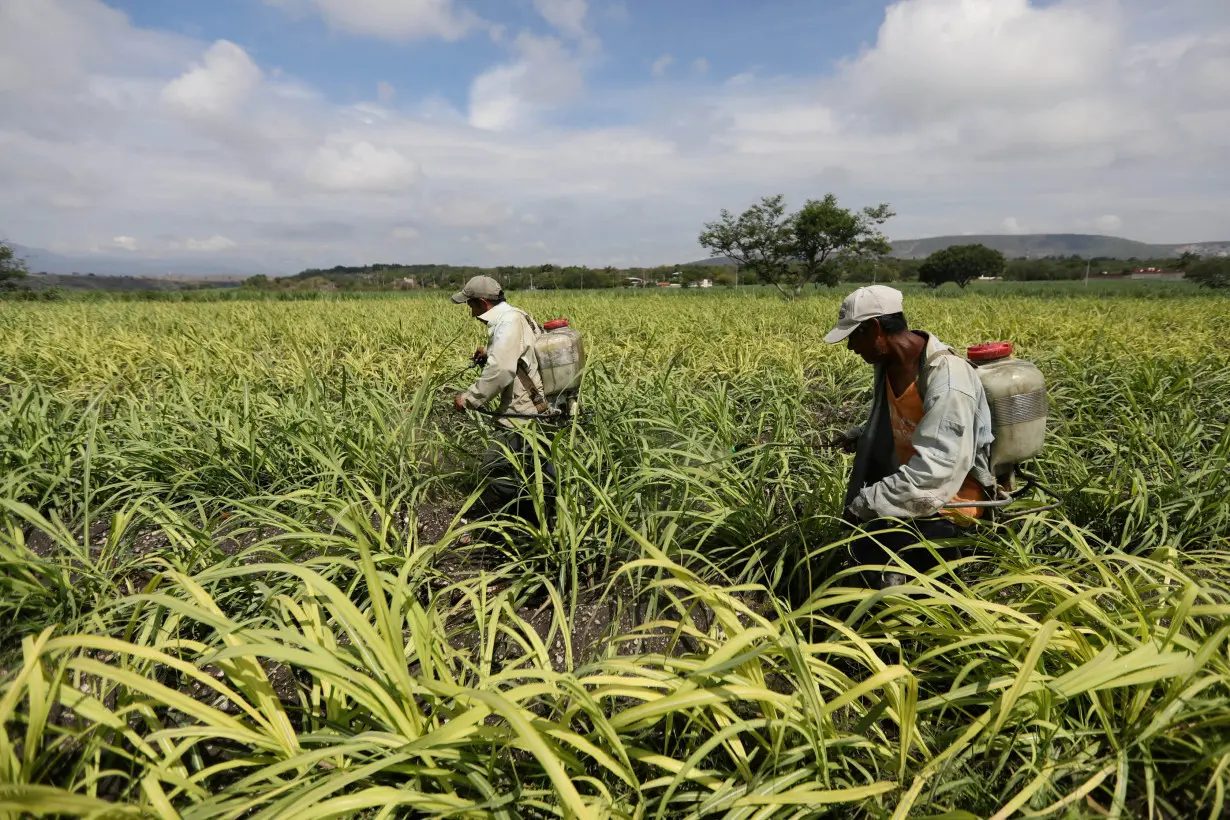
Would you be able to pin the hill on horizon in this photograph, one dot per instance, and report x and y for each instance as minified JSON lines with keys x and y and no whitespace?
{"x":189,"y":268}
{"x":1035,"y":246}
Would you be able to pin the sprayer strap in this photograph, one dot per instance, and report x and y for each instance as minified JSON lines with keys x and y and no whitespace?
{"x":523,"y":376}
{"x":540,"y":401}
{"x":924,"y":364}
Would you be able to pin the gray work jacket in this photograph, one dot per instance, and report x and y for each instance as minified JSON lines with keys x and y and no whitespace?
{"x":510,"y":348}
{"x":952,"y":441}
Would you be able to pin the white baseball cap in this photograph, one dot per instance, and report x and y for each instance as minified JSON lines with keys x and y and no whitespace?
{"x":865,"y":303}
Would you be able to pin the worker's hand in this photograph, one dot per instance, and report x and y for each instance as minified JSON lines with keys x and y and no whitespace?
{"x":850,"y":518}
{"x":857,"y":512}
{"x":459,"y":403}
{"x":480,"y":356}
{"x":847,"y":442}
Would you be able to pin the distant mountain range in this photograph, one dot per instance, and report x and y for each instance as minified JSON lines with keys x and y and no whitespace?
{"x":41,"y":261}
{"x":1038,"y":245}
{"x":123,"y":284}
{"x":1034,"y":246}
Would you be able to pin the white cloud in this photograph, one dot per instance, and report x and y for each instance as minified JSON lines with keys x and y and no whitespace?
{"x":568,"y":16}
{"x":212,"y":245}
{"x":785,"y":119}
{"x":360,"y":166}
{"x":1108,"y":223}
{"x":404,"y":233}
{"x":700,"y":66}
{"x":218,"y":85}
{"x":128,"y":243}
{"x":936,"y":57}
{"x":661,"y":64}
{"x":394,"y":19}
{"x":511,"y":95}
{"x":1201,"y":59}
{"x":385,"y":92}
{"x":495,"y":104}
{"x":530,"y":219}
{"x":1013,"y":225}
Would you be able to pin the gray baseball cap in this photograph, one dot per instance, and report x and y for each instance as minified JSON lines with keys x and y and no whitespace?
{"x":480,"y":287}
{"x":863,"y":304}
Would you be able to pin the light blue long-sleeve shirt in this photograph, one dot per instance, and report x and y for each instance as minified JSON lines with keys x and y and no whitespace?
{"x":952,"y":441}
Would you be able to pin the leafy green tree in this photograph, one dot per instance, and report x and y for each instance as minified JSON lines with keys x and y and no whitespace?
{"x":960,"y":264}
{"x":260,"y":281}
{"x":1210,"y":273}
{"x":830,"y":240}
{"x":594,"y":278}
{"x":760,"y":239}
{"x":12,"y":267}
{"x":818,"y":243}
{"x":1187,"y":259}
{"x":875,"y":270}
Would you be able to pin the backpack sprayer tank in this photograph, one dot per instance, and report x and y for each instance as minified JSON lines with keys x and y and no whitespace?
{"x":561,"y":363}
{"x":1016,"y":392}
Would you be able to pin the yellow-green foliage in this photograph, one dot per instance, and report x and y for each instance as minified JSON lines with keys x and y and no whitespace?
{"x":231,"y":583}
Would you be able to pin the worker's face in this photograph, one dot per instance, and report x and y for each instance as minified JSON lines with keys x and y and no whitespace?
{"x":868,"y":342}
{"x":478,"y":307}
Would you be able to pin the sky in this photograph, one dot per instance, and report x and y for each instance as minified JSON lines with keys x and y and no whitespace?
{"x":275,"y":135}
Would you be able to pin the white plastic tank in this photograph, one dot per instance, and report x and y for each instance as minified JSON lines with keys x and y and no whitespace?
{"x":1016,"y":392}
{"x":561,"y":358}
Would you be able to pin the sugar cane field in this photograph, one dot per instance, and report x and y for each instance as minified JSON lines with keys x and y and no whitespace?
{"x":241,"y":576}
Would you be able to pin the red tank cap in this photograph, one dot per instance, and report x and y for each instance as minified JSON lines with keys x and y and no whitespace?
{"x":555,"y":324}
{"x":990,"y":351}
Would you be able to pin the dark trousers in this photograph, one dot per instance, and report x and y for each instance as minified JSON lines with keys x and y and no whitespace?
{"x":886,"y":539}
{"x":505,"y":491}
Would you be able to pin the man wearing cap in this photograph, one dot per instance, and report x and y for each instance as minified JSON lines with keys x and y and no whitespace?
{"x":510,"y":372}
{"x":927,"y":442}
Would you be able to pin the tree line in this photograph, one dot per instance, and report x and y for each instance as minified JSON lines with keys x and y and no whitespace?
{"x":948,"y":267}
{"x":387,"y":276}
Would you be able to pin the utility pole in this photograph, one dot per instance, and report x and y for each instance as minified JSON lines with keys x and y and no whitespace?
{"x":1087,"y":264}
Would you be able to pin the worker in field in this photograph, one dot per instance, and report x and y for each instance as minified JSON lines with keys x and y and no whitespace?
{"x":926,"y":445}
{"x":509,"y":374}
